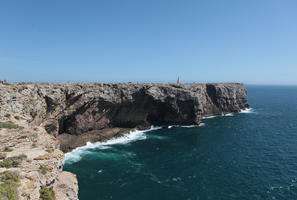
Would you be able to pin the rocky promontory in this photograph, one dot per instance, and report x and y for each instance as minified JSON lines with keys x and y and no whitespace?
{"x":31,"y":164}
{"x":77,"y":113}
{"x":80,"y":108}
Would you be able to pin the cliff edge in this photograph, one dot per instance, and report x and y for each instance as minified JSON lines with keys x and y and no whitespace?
{"x":80,"y":108}
{"x":31,"y":164}
{"x":77,"y":113}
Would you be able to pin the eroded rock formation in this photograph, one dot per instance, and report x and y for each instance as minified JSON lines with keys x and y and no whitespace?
{"x":31,"y":160}
{"x":77,"y":113}
{"x":81,"y":108}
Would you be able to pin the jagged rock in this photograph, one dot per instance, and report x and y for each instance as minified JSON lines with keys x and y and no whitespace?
{"x":80,"y":108}
{"x":43,"y":157}
{"x":66,"y":186}
{"x":2,"y":156}
{"x":77,"y":113}
{"x":37,"y":168}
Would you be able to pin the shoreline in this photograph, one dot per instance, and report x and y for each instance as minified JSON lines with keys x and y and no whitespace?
{"x":70,"y":142}
{"x":79,"y":114}
{"x":75,"y":154}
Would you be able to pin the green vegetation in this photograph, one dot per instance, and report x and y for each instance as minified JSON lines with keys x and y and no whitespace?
{"x":49,"y":150}
{"x":23,"y":137}
{"x":14,"y":161}
{"x":10,"y":125}
{"x":8,"y":149}
{"x":8,"y":185}
{"x":8,"y":176}
{"x":33,"y":136}
{"x":43,"y":169}
{"x":34,"y":145}
{"x":47,"y":193}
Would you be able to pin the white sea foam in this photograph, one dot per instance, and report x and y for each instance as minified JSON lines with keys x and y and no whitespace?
{"x":187,"y":126}
{"x":247,"y":110}
{"x":209,"y":117}
{"x":202,"y":124}
{"x":76,"y":154}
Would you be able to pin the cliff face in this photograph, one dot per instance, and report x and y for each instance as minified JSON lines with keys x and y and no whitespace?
{"x":77,"y":113}
{"x":80,"y":108}
{"x":30,"y":161}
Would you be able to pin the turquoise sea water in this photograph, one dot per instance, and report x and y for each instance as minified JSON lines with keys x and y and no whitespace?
{"x":248,"y":156}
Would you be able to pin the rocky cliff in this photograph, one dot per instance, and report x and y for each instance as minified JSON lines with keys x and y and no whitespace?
{"x":76,"y":113}
{"x":31,"y":164}
{"x":80,"y":108}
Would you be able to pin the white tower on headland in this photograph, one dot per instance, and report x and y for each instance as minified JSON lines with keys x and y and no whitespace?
{"x":178,"y":82}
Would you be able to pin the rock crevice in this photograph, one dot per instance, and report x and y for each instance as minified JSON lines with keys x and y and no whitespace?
{"x":80,"y":108}
{"x":77,"y":113}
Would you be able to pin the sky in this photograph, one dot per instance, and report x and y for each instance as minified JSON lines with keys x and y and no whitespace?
{"x":249,"y":41}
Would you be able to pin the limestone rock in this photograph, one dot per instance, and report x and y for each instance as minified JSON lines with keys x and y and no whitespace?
{"x":80,"y":108}
{"x":77,"y":113}
{"x":66,"y":186}
{"x":38,"y":163}
{"x":2,"y":156}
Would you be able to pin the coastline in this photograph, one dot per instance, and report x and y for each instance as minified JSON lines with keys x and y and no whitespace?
{"x":82,"y":116}
{"x":75,"y":154}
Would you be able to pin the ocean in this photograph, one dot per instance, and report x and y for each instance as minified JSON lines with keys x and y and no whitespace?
{"x":246,"y":156}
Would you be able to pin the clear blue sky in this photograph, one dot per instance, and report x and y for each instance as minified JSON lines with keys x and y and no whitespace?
{"x":250,"y":41}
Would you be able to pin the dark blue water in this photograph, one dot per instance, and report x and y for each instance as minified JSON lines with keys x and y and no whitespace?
{"x":245,"y":156}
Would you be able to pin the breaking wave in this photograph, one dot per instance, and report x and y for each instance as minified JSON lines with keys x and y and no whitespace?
{"x":245,"y":111}
{"x":187,"y":126}
{"x":209,"y":117}
{"x":76,"y":154}
{"x":228,"y":115}
{"x":248,"y":110}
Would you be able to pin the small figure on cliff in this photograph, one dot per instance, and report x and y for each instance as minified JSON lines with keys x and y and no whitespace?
{"x":178,"y":82}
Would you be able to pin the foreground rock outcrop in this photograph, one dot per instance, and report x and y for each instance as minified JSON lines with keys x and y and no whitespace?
{"x":77,"y":113}
{"x":30,"y":162}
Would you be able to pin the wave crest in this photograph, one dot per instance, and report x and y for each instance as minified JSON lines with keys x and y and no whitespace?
{"x":76,"y":154}
{"x":186,"y":126}
{"x":248,"y":110}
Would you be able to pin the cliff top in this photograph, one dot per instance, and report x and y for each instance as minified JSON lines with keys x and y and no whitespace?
{"x":123,"y":83}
